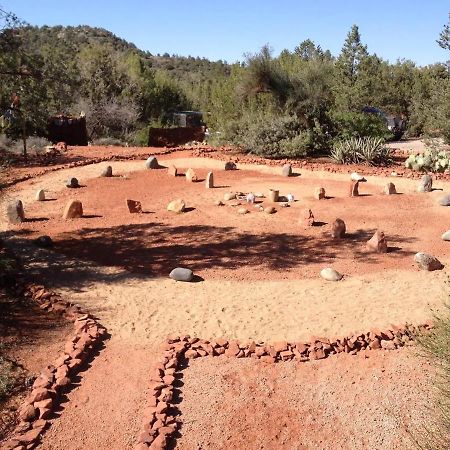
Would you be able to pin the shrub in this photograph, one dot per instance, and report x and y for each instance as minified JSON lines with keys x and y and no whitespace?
{"x":366,"y":150}
{"x":353,"y":125}
{"x":109,"y":141}
{"x":429,"y":161}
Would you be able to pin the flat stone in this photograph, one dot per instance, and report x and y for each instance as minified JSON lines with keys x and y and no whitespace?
{"x":44,"y":241}
{"x":73,"y":210}
{"x":72,"y":183}
{"x":176,"y":206}
{"x":389,"y":189}
{"x":191,"y":176}
{"x":40,"y":195}
{"x":107,"y":172}
{"x":134,"y":206}
{"x":338,"y":229}
{"x":15,"y":212}
{"x":330,"y":274}
{"x":172,"y":171}
{"x":181,"y":274}
{"x":377,"y":242}
{"x":30,"y":436}
{"x":427,"y":262}
{"x":445,"y":201}
{"x":446,"y":236}
{"x":152,"y":163}
{"x":286,"y":170}
{"x":426,"y":184}
{"x":230,"y":165}
{"x":319,"y":193}
{"x":209,"y":180}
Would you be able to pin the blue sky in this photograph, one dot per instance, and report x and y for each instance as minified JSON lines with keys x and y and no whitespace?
{"x":229,"y":28}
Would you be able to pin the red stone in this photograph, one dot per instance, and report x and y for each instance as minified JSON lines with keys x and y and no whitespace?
{"x":47,"y":403}
{"x":27,"y":413}
{"x":38,"y":395}
{"x":63,"y":382}
{"x":267,"y":359}
{"x":159,"y":443}
{"x":375,"y":344}
{"x":30,"y":436}
{"x":191,"y":354}
{"x":161,"y":407}
{"x":280,"y":346}
{"x":45,"y":413}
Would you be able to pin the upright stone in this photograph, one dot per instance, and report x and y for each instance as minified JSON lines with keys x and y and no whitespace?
{"x":40,"y":195}
{"x":73,"y":210}
{"x":230,"y":165}
{"x":107,"y":172}
{"x":389,"y":189}
{"x":377,"y":243}
{"x":152,"y":163}
{"x":338,"y":229}
{"x":172,"y":171}
{"x":191,"y":176}
{"x":354,"y":189}
{"x":445,"y":201}
{"x":307,"y":218}
{"x":319,"y":193}
{"x":273,"y":195}
{"x":134,"y":206}
{"x":286,"y":170}
{"x":15,"y":212}
{"x":209,"y":180}
{"x":72,"y":183}
{"x":426,"y":184}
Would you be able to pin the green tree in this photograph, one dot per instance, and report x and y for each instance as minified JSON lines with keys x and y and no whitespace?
{"x":444,"y":37}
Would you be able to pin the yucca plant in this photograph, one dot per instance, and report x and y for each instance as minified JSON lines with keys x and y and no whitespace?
{"x":367,"y":150}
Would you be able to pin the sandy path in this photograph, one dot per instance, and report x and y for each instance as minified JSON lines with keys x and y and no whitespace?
{"x":140,"y":311}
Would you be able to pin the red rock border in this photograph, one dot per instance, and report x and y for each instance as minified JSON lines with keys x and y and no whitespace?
{"x":55,"y":379}
{"x":161,"y":421}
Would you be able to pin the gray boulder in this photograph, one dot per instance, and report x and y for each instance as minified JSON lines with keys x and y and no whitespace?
{"x":445,"y":201}
{"x":15,"y":212}
{"x":152,"y":163}
{"x":427,"y":262}
{"x":181,"y":274}
{"x":286,"y":171}
{"x":426,"y":184}
{"x":72,"y":183}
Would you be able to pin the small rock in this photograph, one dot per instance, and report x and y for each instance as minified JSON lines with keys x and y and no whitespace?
{"x":446,"y":236}
{"x":338,"y":229}
{"x":394,"y":174}
{"x":191,"y":176}
{"x":172,"y":171}
{"x":286,"y":170}
{"x":389,"y":189}
{"x":377,"y":242}
{"x":242,"y":211}
{"x":40,"y":195}
{"x":319,"y":193}
{"x":426,"y":184}
{"x":427,"y":262}
{"x":229,"y":196}
{"x":330,"y":274}
{"x":72,"y":183}
{"x":355,"y":176}
{"x":181,"y":274}
{"x":15,"y":212}
{"x":44,"y":241}
{"x":219,"y":203}
{"x":73,"y":210}
{"x":152,"y":163}
{"x":273,"y":195}
{"x":307,"y":218}
{"x":209,"y":180}
{"x":354,"y":189}
{"x":230,"y":165}
{"x":176,"y":206}
{"x":445,"y":201}
{"x":28,"y":413}
{"x":270,"y":210}
{"x":107,"y":172}
{"x":134,"y":206}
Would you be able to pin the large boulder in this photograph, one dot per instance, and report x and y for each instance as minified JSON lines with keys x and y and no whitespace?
{"x":72,"y":183}
{"x":181,"y":274}
{"x":40,"y":195}
{"x":73,"y":210}
{"x":338,"y":229}
{"x":446,"y":236}
{"x":286,"y":170}
{"x":330,"y":274}
{"x":15,"y":212}
{"x":377,"y":243}
{"x":445,"y":201}
{"x":426,"y":184}
{"x":209,"y":180}
{"x":107,"y":172}
{"x":152,"y":163}
{"x":176,"y":206}
{"x":427,"y":262}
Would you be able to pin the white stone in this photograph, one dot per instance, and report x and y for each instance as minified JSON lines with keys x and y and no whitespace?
{"x":330,"y":274}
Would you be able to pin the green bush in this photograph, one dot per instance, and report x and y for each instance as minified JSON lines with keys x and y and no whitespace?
{"x":366,"y":150}
{"x":109,"y":141}
{"x":348,"y":125}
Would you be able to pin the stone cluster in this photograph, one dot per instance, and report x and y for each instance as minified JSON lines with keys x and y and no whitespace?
{"x":55,"y":379}
{"x":161,"y":419}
